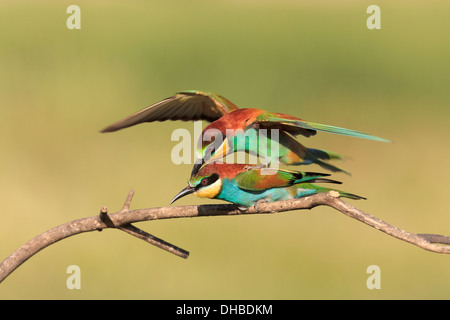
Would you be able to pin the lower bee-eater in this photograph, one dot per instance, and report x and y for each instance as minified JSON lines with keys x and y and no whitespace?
{"x":247,"y":185}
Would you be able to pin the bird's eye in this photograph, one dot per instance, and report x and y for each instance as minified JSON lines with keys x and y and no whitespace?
{"x":204,"y":182}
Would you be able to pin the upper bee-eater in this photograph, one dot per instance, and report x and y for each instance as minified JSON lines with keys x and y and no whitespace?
{"x":225,"y":115}
{"x":247,"y":185}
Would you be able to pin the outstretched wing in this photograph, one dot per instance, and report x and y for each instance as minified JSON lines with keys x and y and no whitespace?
{"x":296,"y":126}
{"x":262,"y":179}
{"x":186,"y":106}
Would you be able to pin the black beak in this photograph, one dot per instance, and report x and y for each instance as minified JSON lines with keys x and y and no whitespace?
{"x":182,"y":193}
{"x":196,"y":168}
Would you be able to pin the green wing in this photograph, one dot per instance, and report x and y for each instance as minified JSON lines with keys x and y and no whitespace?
{"x":187,"y":105}
{"x":298,"y":126}
{"x":262,"y":179}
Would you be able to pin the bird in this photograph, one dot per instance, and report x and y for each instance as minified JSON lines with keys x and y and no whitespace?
{"x":228,"y":124}
{"x":247,"y":185}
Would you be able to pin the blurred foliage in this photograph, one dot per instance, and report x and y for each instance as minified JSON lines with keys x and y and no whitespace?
{"x":59,"y":87}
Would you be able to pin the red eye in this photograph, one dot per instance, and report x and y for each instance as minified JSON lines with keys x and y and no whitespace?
{"x":204,"y":182}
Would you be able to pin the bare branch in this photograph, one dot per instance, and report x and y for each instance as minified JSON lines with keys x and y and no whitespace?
{"x":123,"y":220}
{"x":141,"y":234}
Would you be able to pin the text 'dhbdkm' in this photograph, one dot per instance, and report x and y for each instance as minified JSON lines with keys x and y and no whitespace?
{"x":225,"y":309}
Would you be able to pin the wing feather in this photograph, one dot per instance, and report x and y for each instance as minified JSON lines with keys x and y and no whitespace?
{"x":186,"y":106}
{"x":258,"y":179}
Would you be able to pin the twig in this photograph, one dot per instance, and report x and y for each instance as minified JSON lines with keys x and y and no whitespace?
{"x":122,"y":220}
{"x":138,"y":233}
{"x":141,"y":234}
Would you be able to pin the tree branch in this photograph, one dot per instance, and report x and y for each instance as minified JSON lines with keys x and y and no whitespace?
{"x":123,"y":220}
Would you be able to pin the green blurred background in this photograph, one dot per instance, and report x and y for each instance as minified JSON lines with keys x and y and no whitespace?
{"x":58,"y":87}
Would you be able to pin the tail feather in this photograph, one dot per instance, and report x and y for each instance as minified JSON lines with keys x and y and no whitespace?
{"x":328,"y":166}
{"x":342,"y":131}
{"x":324,"y":180}
{"x":305,"y":180}
{"x":317,"y":189}
{"x":313,"y":177}
{"x":323,"y":154}
{"x":350,"y":195}
{"x":301,"y":177}
{"x":324,"y":128}
{"x":317,"y":156}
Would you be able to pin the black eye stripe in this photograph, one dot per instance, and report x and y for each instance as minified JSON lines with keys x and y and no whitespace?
{"x":208,"y":180}
{"x":213,"y":178}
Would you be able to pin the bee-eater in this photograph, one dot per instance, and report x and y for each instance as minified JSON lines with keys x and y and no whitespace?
{"x":245,"y":123}
{"x":247,"y":185}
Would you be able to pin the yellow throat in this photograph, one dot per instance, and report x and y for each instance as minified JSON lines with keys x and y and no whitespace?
{"x":210,"y":191}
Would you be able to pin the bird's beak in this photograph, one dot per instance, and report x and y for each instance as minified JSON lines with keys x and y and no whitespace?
{"x":182,"y":193}
{"x":196,"y":168}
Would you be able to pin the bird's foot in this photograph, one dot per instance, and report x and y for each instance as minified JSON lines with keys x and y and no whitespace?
{"x":258,"y":204}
